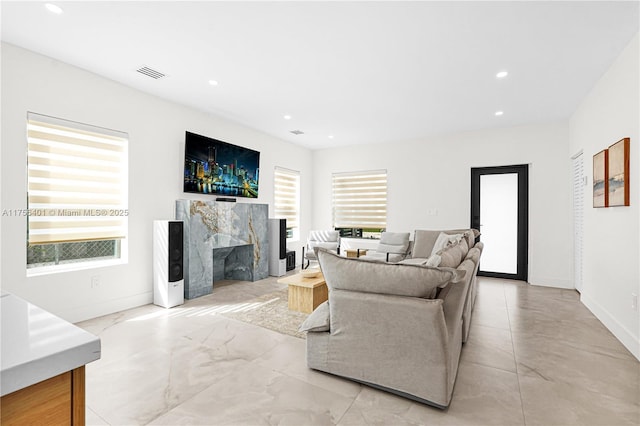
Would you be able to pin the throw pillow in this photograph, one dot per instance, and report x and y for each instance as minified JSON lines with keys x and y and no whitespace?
{"x":319,"y":320}
{"x":433,"y":260}
{"x":445,"y":240}
{"x":453,"y":254}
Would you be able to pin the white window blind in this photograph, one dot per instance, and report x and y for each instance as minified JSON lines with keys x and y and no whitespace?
{"x":77,"y":181}
{"x":360,"y":200}
{"x":287,"y":199}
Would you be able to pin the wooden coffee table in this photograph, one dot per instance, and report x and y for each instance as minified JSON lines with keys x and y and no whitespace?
{"x":305,"y":294}
{"x":355,"y":252}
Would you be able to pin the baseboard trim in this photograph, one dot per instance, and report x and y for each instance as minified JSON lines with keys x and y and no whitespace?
{"x":550,"y":282}
{"x":631,"y":342}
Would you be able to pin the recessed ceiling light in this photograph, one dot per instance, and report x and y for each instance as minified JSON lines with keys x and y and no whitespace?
{"x":287,"y":117}
{"x":53,"y":8}
{"x":213,"y":82}
{"x":499,"y":113}
{"x":502,"y":74}
{"x":330,"y":136}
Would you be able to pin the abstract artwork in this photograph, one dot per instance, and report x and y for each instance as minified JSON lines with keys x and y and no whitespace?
{"x":600,"y":183}
{"x":618,"y":173}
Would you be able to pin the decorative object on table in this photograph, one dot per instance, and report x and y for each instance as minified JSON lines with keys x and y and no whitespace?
{"x":310,"y":273}
{"x":600,"y":182}
{"x":618,"y":173}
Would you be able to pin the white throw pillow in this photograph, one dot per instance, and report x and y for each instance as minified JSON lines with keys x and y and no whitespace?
{"x":319,"y":320}
{"x":433,"y":260}
{"x":445,"y":240}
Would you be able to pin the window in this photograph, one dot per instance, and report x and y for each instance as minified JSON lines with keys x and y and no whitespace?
{"x":360,"y":203}
{"x":77,"y":192}
{"x":287,"y":200}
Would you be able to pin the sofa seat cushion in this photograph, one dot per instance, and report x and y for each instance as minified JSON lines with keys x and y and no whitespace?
{"x":383,"y":278}
{"x":383,"y":257}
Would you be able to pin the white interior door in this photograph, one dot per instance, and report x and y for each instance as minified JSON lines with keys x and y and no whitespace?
{"x":499,"y":222}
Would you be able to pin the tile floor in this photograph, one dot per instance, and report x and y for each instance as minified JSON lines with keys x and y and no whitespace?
{"x":535,"y":356}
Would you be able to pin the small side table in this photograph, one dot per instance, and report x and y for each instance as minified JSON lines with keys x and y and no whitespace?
{"x":305,"y":294}
{"x":355,"y":252}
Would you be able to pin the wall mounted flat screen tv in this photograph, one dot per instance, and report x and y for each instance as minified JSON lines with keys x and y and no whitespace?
{"x":220,"y":168}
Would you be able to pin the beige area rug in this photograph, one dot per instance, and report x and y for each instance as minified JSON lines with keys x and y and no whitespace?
{"x":271,"y":311}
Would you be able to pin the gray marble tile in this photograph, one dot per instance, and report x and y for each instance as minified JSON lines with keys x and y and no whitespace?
{"x":548,"y":402}
{"x":490,"y":316}
{"x":289,"y":358}
{"x":191,"y":365}
{"x":376,"y":407}
{"x":92,"y":419}
{"x":594,"y":369}
{"x":258,"y":395}
{"x":584,"y":331}
{"x":137,"y":389}
{"x":482,"y":396}
{"x":489,"y":346}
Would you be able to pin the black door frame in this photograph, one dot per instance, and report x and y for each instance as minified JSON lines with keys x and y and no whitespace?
{"x":523,"y":215}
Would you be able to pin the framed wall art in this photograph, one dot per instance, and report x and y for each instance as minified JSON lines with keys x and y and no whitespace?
{"x":600,"y":182}
{"x":618,"y":173}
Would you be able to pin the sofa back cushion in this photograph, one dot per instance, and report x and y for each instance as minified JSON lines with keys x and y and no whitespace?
{"x":423,"y":242}
{"x":383,"y":278}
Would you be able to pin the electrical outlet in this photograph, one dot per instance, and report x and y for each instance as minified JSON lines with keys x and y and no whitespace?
{"x":634,"y":301}
{"x":95,"y":281}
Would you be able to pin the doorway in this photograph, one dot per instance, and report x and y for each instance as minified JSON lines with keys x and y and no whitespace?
{"x":500,"y":210}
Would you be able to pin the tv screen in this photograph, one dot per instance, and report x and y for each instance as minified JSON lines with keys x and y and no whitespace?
{"x":216,"y":167}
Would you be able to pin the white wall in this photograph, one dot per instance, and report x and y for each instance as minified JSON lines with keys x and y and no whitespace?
{"x":436,"y":174}
{"x":31,"y":82}
{"x":609,"y":113}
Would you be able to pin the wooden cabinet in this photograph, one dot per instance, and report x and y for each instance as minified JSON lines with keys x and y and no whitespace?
{"x":55,"y":401}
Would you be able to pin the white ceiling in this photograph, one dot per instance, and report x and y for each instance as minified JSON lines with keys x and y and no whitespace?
{"x":364,"y":72}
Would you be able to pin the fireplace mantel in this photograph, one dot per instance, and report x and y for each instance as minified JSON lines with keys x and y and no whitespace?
{"x":210,"y":225}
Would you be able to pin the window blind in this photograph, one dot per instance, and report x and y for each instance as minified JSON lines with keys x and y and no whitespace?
{"x":77,"y":181}
{"x":287,"y":198}
{"x":360,"y":199}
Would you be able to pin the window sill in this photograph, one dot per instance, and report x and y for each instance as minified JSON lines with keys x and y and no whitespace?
{"x":71,"y":267}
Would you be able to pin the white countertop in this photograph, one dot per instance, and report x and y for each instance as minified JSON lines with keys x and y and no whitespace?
{"x":36,"y":345}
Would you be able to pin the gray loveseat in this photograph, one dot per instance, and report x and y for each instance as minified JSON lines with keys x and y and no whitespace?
{"x":398,"y":327}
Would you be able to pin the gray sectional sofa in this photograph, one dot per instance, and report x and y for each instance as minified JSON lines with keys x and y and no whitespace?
{"x":397,"y":326}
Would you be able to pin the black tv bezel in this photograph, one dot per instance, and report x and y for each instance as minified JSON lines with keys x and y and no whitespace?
{"x":191,"y":137}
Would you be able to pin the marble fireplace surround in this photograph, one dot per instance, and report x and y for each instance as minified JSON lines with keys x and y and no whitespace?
{"x":222,"y":240}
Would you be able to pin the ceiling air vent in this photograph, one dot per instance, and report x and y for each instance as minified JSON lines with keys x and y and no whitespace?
{"x":297,"y":132}
{"x":150,"y":72}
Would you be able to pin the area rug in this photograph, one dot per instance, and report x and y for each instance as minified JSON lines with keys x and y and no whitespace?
{"x":271,"y":311}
